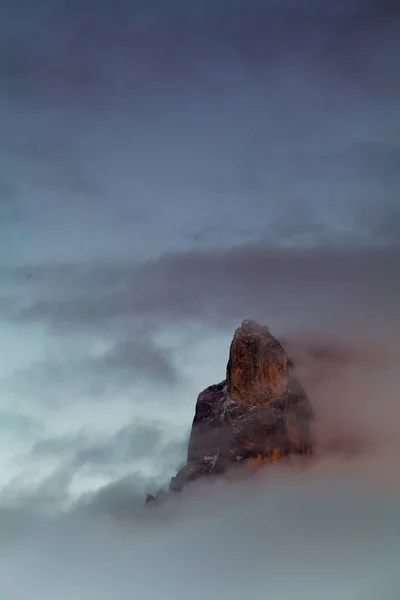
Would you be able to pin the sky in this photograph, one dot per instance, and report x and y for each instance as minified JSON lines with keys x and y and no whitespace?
{"x":168,"y":169}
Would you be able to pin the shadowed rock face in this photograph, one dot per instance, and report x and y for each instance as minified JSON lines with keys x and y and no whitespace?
{"x":259,"y":413}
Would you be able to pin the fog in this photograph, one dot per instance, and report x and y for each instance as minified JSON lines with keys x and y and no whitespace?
{"x":284,"y":536}
{"x":326,"y":529}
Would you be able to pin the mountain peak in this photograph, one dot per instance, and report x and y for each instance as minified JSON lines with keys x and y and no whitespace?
{"x":258,"y":366}
{"x":259,"y":413}
{"x":251,"y":326}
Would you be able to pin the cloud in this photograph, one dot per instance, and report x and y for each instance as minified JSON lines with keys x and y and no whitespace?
{"x":217,"y":286}
{"x":66,"y":374}
{"x":48,"y":496}
{"x":16,"y":422}
{"x":346,"y":358}
{"x":334,"y":306}
{"x":133,"y":441}
{"x":256,"y":142}
{"x":132,"y":78}
{"x":82,"y":45}
{"x":312,"y":537}
{"x":147,"y":451}
{"x":143,"y":357}
{"x":120,"y":499}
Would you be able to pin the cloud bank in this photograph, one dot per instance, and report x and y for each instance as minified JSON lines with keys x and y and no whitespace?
{"x":303,"y":536}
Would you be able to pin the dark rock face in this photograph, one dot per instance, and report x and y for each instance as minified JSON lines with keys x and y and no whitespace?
{"x":259,"y":413}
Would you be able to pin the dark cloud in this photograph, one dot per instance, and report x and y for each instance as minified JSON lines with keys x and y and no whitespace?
{"x":335,"y":354}
{"x":134,"y":441}
{"x":119,"y":499}
{"x":60,"y":379}
{"x":102,"y":454}
{"x":197,"y":103}
{"x":140,"y":356}
{"x":83,"y":452}
{"x":219,"y":287}
{"x":45,"y":497}
{"x":15,"y":422}
{"x":84,"y":41}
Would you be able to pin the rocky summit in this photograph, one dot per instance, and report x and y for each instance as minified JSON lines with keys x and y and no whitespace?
{"x":258,"y":413}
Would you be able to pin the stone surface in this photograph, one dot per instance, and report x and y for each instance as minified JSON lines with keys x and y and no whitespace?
{"x":258,"y":366}
{"x":259,"y":413}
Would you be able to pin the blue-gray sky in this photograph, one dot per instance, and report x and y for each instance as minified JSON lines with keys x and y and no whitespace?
{"x":166,"y":170}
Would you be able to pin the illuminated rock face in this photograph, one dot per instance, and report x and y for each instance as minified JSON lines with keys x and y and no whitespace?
{"x":259,"y":413}
{"x":258,"y":366}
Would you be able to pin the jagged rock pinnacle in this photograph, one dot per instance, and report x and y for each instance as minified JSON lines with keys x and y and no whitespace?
{"x":259,"y":413}
{"x":258,"y":366}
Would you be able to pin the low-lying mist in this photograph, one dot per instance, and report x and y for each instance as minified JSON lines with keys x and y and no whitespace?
{"x":318,"y":535}
{"x":325,"y":530}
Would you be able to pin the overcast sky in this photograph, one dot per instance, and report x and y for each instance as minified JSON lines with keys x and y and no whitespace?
{"x":168,"y":169}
